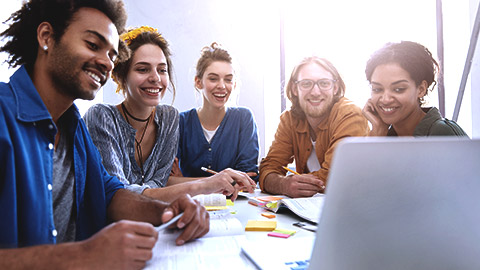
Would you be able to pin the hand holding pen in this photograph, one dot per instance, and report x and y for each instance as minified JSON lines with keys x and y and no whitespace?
{"x":312,"y":181}
{"x":232,"y":181}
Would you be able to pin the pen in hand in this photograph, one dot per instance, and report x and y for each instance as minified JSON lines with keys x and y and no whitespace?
{"x":168,"y":223}
{"x":214,"y":172}
{"x":290,"y":170}
{"x":233,"y":183}
{"x":208,"y":170}
{"x":294,"y":172}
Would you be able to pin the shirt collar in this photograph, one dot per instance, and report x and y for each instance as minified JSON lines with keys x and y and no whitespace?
{"x":30,"y":106}
{"x":432,"y":115}
{"x":302,"y":126}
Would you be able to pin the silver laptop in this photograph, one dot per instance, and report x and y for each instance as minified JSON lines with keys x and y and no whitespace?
{"x":401,"y":204}
{"x":395,"y":203}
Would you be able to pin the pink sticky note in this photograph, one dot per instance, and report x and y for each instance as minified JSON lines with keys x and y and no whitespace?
{"x":281,"y":235}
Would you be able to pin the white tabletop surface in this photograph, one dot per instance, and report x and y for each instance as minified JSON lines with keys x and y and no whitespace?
{"x":225,"y":252}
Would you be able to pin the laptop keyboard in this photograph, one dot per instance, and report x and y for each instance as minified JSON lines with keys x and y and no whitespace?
{"x":298,"y":265}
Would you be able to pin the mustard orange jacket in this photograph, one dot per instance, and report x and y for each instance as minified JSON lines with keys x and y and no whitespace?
{"x":292,"y":140}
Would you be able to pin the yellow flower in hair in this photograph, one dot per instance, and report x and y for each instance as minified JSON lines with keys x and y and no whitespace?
{"x":117,"y":82}
{"x":133,"y":34}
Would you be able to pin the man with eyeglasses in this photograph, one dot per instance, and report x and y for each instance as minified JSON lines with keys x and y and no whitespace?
{"x":319,"y":118}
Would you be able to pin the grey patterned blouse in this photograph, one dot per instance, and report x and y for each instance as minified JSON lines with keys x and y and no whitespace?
{"x":115,"y":139}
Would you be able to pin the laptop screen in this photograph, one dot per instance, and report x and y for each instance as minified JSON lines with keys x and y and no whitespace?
{"x":402,"y":203}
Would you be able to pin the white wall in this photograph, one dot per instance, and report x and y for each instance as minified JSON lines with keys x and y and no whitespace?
{"x":8,"y":7}
{"x":475,"y":77}
{"x":250,"y":30}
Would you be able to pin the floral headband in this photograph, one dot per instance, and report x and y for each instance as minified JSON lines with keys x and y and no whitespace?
{"x":131,"y":35}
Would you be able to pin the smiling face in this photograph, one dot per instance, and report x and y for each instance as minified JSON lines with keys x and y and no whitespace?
{"x":395,"y":95}
{"x":147,"y":78}
{"x":216,"y":84}
{"x":81,"y":62}
{"x":316,"y":103}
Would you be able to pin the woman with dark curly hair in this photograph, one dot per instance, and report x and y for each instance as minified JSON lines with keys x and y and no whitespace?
{"x":400,"y":76}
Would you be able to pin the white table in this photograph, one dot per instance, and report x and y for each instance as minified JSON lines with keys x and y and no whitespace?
{"x":224,"y":252}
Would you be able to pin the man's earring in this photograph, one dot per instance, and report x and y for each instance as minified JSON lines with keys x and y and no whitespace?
{"x":45,"y":47}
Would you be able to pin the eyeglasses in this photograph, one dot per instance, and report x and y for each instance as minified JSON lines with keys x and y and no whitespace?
{"x":323,"y":84}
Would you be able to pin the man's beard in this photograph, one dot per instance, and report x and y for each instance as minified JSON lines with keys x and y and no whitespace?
{"x":66,"y":74}
{"x":322,"y":112}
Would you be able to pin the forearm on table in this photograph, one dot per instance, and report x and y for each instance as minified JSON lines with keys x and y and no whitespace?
{"x":273,"y":183}
{"x":132,"y":206}
{"x":61,"y":256}
{"x":174,"y":180}
{"x":171,"y":192}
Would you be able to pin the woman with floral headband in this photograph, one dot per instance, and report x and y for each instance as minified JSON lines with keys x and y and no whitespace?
{"x":138,"y":138}
{"x":215,"y":136}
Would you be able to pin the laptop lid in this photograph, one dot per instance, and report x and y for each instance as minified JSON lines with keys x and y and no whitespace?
{"x":401,"y":203}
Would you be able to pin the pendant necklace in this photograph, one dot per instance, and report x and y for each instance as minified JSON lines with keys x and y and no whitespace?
{"x":138,"y":143}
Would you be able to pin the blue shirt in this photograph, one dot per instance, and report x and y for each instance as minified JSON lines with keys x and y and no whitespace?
{"x":234,"y":145}
{"x":27,"y":136}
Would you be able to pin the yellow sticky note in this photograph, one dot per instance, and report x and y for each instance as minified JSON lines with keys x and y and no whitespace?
{"x":290,"y":232}
{"x":272,"y":204}
{"x":215,"y":208}
{"x":261,"y":225}
{"x":230,"y":203}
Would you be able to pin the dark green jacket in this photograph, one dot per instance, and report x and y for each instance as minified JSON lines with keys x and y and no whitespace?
{"x":433,"y":124}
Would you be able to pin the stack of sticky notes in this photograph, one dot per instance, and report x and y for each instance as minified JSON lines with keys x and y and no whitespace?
{"x":282,"y":233}
{"x":262,"y":201}
{"x":268,"y":215}
{"x":261,"y":225}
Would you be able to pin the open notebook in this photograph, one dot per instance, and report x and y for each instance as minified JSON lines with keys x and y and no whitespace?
{"x":401,"y":203}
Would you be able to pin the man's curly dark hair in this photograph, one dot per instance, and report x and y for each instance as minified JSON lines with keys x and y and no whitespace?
{"x":21,"y":36}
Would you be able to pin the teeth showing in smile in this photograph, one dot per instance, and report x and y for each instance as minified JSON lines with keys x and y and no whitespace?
{"x":93,"y":76}
{"x":315,"y":101}
{"x":152,"y":90}
{"x":388,"y":109}
{"x":220,"y":95}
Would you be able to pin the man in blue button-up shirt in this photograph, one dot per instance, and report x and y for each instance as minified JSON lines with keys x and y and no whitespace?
{"x":53,"y":188}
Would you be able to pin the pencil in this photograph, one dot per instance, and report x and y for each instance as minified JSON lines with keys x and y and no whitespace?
{"x":233,"y":183}
{"x":290,"y":170}
{"x":214,"y":172}
{"x":294,"y":172}
{"x":208,"y":170}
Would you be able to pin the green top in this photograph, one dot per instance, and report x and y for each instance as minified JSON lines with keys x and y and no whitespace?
{"x":433,"y":124}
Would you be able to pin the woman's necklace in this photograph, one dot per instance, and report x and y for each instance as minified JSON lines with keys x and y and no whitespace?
{"x":138,"y":143}
{"x":133,"y":117}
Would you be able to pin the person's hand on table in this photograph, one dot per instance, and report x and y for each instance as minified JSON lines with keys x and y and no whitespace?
{"x":303,"y":185}
{"x":195,"y":221}
{"x":229,"y":182}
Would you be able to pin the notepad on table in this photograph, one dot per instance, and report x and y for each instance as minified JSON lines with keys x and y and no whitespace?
{"x":212,"y":202}
{"x":306,"y":208}
{"x":261,"y":225}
